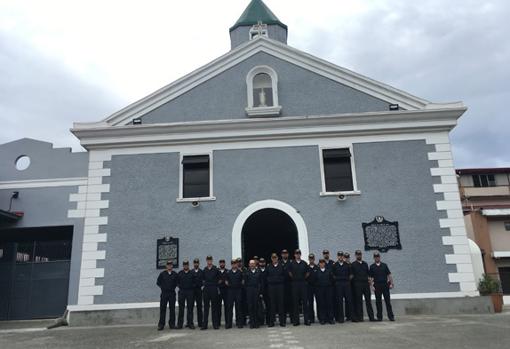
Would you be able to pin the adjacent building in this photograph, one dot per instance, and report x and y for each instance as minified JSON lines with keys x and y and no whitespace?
{"x":266,"y":147}
{"x":485,"y":196}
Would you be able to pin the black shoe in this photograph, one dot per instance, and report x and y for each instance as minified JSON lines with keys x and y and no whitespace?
{"x":240,"y":326}
{"x":332,"y":322}
{"x":283,"y":324}
{"x":203,"y":328}
{"x":172,"y":327}
{"x":322,"y":323}
{"x":179,"y":327}
{"x":191,"y":327}
{"x":160,"y":328}
{"x":295,"y":324}
{"x":392,"y":319}
{"x":228,"y":327}
{"x":373,"y":320}
{"x":216,"y":327}
{"x":340,"y":321}
{"x":379,"y":320}
{"x":270,"y":325}
{"x":307,"y":323}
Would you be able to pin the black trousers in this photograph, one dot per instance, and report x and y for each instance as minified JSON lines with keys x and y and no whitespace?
{"x":244,"y":305}
{"x":223,"y":302}
{"x":324,"y":303}
{"x":344,"y":293}
{"x":276,"y":303}
{"x":349,"y":311}
{"x":252,"y":299}
{"x":167,"y":297}
{"x":197,"y":299}
{"x":362,"y":290}
{"x":299,"y":296}
{"x":383,"y":290}
{"x":287,"y":301}
{"x":185,"y":298}
{"x":264,"y":316}
{"x":234,"y":298}
{"x":335,"y":304}
{"x":311,"y":296}
{"x":211,"y":301}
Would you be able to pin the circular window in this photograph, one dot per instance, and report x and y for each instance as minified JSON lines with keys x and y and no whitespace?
{"x":22,"y":163}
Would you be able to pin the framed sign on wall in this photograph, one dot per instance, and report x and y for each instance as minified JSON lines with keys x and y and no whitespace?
{"x":167,"y":250}
{"x":381,"y":235}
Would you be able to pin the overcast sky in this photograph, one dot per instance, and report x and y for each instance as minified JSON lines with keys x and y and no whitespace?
{"x":67,"y":61}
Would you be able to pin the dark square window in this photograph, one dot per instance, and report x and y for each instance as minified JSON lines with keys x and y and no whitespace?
{"x":337,"y":170}
{"x":195,"y":176}
{"x":484,"y":180}
{"x":507,"y":226}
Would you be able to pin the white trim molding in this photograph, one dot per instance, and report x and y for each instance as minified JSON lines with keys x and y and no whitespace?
{"x":88,"y":206}
{"x":43,"y":183}
{"x":501,"y":254}
{"x":271,"y":129}
{"x":259,"y":205}
{"x":496,"y":212}
{"x":273,"y":110}
{"x":454,"y":220}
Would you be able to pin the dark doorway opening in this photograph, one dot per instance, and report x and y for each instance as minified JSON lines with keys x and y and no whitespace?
{"x":504,"y":275}
{"x":266,"y":231}
{"x":34,"y":272}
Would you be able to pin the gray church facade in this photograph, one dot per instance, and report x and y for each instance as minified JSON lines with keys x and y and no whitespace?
{"x":264,"y":148}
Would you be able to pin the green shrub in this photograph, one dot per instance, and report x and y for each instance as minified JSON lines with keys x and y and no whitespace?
{"x":488,"y":285}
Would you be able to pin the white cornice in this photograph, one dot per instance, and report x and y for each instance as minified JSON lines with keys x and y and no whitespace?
{"x":262,"y":129}
{"x":43,"y":183}
{"x":272,"y":47}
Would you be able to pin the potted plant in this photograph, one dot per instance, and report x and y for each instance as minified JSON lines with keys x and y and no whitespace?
{"x":489,"y":286}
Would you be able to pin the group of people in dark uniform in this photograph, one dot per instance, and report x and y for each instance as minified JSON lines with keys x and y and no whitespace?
{"x":282,"y":287}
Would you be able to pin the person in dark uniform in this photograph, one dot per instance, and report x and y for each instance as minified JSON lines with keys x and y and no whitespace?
{"x":211,"y":276}
{"x":383,"y":282}
{"x":360,"y":273}
{"x":234,"y":283}
{"x":244,"y":302}
{"x":197,"y":291}
{"x":329,"y":265}
{"x":263,"y":291}
{"x":256,"y":259}
{"x":349,"y":310}
{"x":223,"y":289}
{"x":275,"y":278}
{"x":167,"y":282}
{"x":323,"y":284}
{"x":186,"y":283}
{"x":299,"y":272}
{"x":287,"y":290}
{"x":342,"y":276}
{"x":252,"y":282}
{"x":311,"y":286}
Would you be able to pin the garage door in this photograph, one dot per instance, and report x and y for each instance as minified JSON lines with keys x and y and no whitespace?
{"x":34,"y":272}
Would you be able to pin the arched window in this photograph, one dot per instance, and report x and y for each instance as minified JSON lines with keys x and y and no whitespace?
{"x":262,"y":89}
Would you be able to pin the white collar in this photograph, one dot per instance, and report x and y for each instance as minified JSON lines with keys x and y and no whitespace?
{"x":253,"y":270}
{"x":299,"y":261}
{"x":378,"y":264}
{"x":323,"y":269}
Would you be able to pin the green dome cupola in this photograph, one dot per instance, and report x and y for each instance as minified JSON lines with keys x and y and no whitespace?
{"x":257,"y":19}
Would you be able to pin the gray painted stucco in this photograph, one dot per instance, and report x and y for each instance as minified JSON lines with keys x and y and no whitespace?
{"x":240,"y":35}
{"x":300,"y":92}
{"x":45,"y":161}
{"x":394,"y":179}
{"x":48,"y":206}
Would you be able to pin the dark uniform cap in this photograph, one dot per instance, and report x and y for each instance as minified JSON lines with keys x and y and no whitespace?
{"x":339,"y":253}
{"x":347,"y":255}
{"x":284,"y":251}
{"x":221,"y":261}
{"x":233,"y":261}
{"x":169,"y":263}
{"x":196,"y":260}
{"x":185,"y":262}
{"x":322,"y":260}
{"x":311,"y":255}
{"x":238,"y":260}
{"x":358,"y":252}
{"x":208,"y":258}
{"x":377,"y":254}
{"x":256,"y":258}
{"x":325,"y":252}
{"x":297,"y":251}
{"x":262,"y":259}
{"x":274,"y":255}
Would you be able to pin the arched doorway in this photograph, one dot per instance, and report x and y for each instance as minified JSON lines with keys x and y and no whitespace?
{"x":266,"y":231}
{"x":290,"y":212}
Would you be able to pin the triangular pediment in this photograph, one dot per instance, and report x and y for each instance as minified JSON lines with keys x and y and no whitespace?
{"x":274,"y":48}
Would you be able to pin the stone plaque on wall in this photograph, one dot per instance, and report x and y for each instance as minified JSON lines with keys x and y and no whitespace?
{"x":381,"y":235}
{"x":167,"y":250}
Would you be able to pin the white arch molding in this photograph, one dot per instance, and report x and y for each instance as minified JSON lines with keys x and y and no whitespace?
{"x":275,"y":204}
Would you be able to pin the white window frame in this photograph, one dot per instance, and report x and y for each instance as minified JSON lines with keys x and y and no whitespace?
{"x":355,"y":190}
{"x":211,"y":196}
{"x":273,"y":110}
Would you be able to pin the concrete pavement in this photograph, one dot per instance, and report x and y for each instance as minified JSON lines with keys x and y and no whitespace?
{"x":460,"y":331}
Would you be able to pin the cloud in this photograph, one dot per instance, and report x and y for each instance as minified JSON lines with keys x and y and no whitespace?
{"x":41,"y":99}
{"x":56,"y":69}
